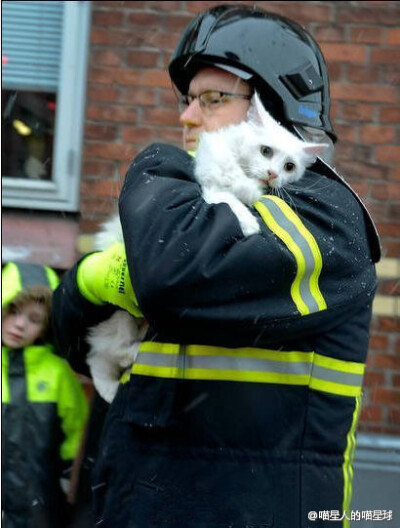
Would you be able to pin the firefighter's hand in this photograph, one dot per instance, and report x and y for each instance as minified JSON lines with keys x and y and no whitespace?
{"x":103,"y":277}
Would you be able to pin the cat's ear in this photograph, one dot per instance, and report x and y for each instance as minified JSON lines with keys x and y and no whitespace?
{"x":257,"y":112}
{"x":313,"y":150}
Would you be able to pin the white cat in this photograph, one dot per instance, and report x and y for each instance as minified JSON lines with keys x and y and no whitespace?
{"x":113,"y":343}
{"x":237,"y":164}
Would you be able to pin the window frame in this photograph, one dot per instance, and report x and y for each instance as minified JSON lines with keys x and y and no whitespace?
{"x":61,"y":193}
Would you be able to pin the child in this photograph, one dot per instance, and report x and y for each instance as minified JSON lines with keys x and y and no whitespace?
{"x":44,"y":408}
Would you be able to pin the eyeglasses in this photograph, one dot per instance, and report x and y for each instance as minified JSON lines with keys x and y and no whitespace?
{"x":210,"y":100}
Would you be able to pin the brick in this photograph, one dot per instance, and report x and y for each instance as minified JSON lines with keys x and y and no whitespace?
{"x":371,"y":413}
{"x":362,"y":74}
{"x":392,"y":250}
{"x":145,"y":59}
{"x":396,"y":380}
{"x":95,"y":188}
{"x":379,"y":342}
{"x":388,"y":324}
{"x":335,"y":71}
{"x":372,"y":379}
{"x":352,"y":169}
{"x":140,"y":96}
{"x":168,"y":98}
{"x":373,"y":14}
{"x":377,"y":210}
{"x":299,"y":11}
{"x":387,"y":361}
{"x":106,"y":57}
{"x":390,"y":114}
{"x":389,"y":287}
{"x":160,"y":116}
{"x":367,"y":35}
{"x":386,"y":191}
{"x":329,"y":33}
{"x":98,"y":206}
{"x":394,"y":212}
{"x":389,"y":230}
{"x":115,"y":37}
{"x":393,"y":37}
{"x":149,"y":77}
{"x":177,"y":23}
{"x":390,"y":74}
{"x":112,"y":113}
{"x":391,"y":56}
{"x":108,"y":18}
{"x":146,"y":20}
{"x":103,"y":74}
{"x":164,"y":5}
{"x":388,"y":153}
{"x":98,"y":131}
{"x":357,"y":112}
{"x":347,"y":133}
{"x":385,"y":396}
{"x":361,"y":188}
{"x":375,"y":93}
{"x":377,"y":134}
{"x":109,"y":151}
{"x":338,"y":52}
{"x":137,"y":134}
{"x":394,"y":416}
{"x":103,"y":93}
{"x":98,"y":168}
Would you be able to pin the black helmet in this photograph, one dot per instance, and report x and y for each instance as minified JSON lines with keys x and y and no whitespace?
{"x":279,"y":58}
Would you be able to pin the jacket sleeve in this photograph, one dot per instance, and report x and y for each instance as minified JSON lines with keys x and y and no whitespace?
{"x":72,"y":317}
{"x":198,"y":279}
{"x":73,"y":410}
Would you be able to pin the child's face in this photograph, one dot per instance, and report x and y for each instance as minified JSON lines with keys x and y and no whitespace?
{"x":22,"y":326}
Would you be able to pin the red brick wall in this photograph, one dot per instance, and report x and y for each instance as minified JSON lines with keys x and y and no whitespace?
{"x":130,"y":104}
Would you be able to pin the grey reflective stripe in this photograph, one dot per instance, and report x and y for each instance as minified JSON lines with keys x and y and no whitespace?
{"x":216,"y":362}
{"x":345,"y":378}
{"x":288,"y":226}
{"x":17,"y":376}
{"x":32,"y":275}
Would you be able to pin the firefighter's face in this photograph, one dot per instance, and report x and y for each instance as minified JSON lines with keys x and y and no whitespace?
{"x":213,"y":110}
{"x":23,"y":326}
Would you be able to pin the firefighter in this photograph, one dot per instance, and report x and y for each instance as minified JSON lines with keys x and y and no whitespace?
{"x":242,"y":406}
{"x":44,"y":408}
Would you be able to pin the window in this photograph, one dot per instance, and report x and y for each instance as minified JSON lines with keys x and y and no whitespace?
{"x":44,"y":61}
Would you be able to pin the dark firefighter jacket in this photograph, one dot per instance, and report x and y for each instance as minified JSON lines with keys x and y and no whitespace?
{"x":242,"y":406}
{"x":44,"y":411}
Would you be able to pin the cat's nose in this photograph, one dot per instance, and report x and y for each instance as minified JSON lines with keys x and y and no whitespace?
{"x":272,"y":175}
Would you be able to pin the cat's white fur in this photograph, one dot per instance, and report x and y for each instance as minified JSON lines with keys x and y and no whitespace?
{"x":231,"y":167}
{"x":113,"y":343}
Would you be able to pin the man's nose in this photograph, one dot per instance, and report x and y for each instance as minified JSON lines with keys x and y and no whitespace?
{"x":191,"y":115}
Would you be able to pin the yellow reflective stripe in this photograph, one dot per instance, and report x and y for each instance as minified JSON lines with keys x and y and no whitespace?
{"x":294,"y":249}
{"x":348,"y":462}
{"x":313,"y":246}
{"x":319,"y":372}
{"x":287,"y":225}
{"x":161,"y":348}
{"x":338,"y":364}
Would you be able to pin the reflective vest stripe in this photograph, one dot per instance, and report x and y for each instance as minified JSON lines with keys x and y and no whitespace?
{"x":348,"y":462}
{"x":168,"y":360}
{"x":32,"y":275}
{"x":287,"y":226}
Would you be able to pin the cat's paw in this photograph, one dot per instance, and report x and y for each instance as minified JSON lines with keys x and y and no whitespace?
{"x":249,"y":224}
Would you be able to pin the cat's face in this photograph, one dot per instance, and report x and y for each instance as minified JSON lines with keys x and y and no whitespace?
{"x":279,"y":157}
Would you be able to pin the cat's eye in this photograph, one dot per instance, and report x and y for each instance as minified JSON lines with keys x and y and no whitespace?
{"x":289,"y":166}
{"x":267,"y":152}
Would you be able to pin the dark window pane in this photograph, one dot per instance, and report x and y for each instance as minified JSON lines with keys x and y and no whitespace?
{"x":28,"y":134}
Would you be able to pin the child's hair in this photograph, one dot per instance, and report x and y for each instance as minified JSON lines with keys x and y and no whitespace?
{"x":38,"y":294}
